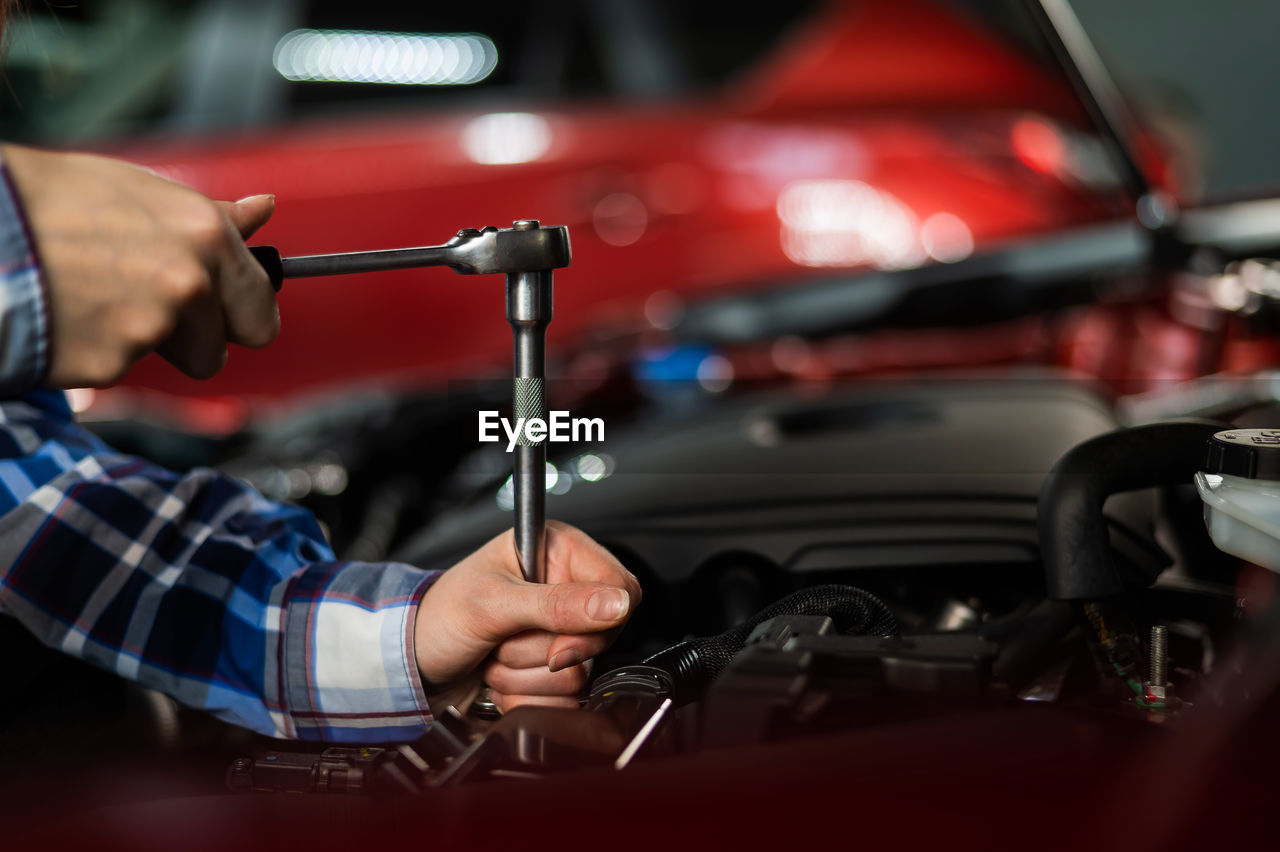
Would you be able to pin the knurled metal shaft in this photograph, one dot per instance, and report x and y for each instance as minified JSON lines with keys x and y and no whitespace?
{"x":529,"y":312}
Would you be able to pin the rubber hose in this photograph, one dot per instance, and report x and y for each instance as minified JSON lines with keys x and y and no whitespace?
{"x":1071,"y":528}
{"x":1025,"y":641}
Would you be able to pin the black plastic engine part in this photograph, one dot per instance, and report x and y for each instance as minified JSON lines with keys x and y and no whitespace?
{"x":334,"y":770}
{"x":695,"y":663}
{"x":1071,"y":528}
{"x":873,"y":479}
{"x":355,"y":770}
{"x":1251,"y":453}
{"x":798,"y":675}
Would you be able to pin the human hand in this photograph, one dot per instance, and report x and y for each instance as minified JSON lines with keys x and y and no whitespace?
{"x":134,"y":262}
{"x":537,"y":638}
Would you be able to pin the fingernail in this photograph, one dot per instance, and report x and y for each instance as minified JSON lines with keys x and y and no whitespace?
{"x":259,"y":195}
{"x":564,"y":660}
{"x":608,"y":605}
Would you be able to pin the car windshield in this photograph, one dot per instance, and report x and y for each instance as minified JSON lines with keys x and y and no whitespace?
{"x":1203,"y":77}
{"x":108,"y":68}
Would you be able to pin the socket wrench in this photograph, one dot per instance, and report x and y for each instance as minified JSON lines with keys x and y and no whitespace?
{"x":526,"y":253}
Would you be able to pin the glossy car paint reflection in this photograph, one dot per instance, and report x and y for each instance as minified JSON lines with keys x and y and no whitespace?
{"x":880,"y":135}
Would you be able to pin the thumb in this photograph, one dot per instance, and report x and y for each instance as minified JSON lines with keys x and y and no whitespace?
{"x":249,"y":214}
{"x":570,"y":607}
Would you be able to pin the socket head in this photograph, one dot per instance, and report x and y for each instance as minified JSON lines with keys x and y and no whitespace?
{"x":510,"y":250}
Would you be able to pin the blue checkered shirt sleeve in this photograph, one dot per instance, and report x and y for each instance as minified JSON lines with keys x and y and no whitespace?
{"x":198,"y":586}
{"x":23,"y":314}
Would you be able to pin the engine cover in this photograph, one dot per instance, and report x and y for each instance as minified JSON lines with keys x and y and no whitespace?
{"x":881,"y":475}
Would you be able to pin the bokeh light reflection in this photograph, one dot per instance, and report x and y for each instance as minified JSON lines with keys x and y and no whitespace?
{"x":353,"y":56}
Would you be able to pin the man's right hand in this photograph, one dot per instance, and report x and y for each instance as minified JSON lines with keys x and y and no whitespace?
{"x":135,"y":263}
{"x":532,"y":643}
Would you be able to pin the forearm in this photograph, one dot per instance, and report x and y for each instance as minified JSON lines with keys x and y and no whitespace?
{"x":199,"y":587}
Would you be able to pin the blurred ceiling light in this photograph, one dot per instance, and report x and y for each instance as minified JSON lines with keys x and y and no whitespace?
{"x":664,"y":309}
{"x":715,"y":373}
{"x":1259,"y":276}
{"x":1039,"y":145}
{"x":299,"y":483}
{"x":620,"y":219}
{"x":790,"y":354}
{"x":507,"y":495}
{"x":354,"y":56}
{"x":764,"y":432}
{"x":847,"y":223}
{"x":782,"y":153}
{"x":593,"y":468}
{"x":558,"y":483}
{"x":330,"y":478}
{"x":502,"y":138}
{"x":946,"y":238}
{"x":1229,"y":292}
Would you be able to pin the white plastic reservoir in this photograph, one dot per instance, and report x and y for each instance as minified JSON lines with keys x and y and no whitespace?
{"x":1240,"y":487}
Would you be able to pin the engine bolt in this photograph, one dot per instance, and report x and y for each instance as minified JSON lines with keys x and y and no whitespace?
{"x":1157,"y":671}
{"x":1157,"y":692}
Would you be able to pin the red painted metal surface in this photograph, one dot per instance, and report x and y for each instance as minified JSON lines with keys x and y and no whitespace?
{"x":901,"y":103}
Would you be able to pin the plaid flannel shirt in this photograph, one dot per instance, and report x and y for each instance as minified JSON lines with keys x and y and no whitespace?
{"x":23,"y":320}
{"x":192,"y":584}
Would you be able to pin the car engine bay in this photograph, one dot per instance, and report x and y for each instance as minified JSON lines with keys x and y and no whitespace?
{"x":923,"y":557}
{"x":883,"y":579}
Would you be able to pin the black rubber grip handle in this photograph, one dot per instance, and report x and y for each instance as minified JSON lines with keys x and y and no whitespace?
{"x":269,"y":259}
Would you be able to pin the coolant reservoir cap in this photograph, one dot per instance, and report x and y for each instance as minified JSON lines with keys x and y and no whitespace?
{"x":1251,"y":453}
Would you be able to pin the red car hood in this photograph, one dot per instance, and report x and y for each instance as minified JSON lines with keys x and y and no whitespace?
{"x":809,"y":163}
